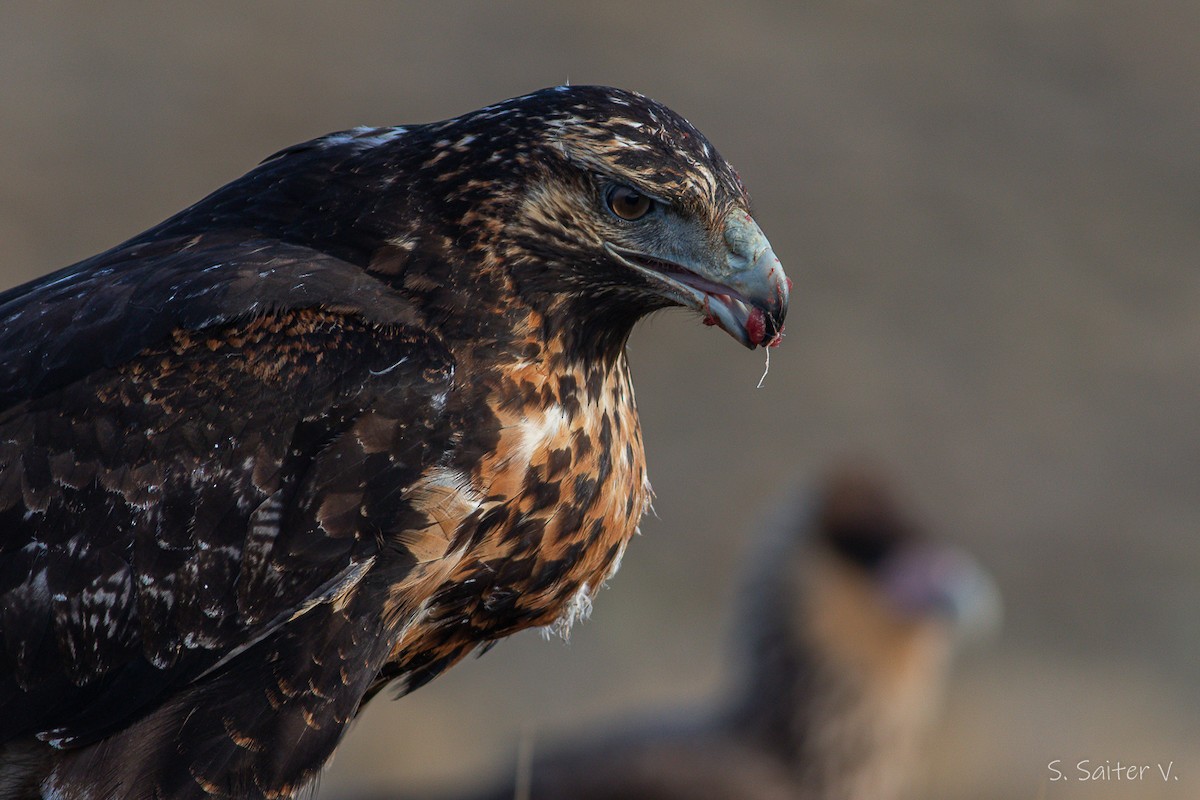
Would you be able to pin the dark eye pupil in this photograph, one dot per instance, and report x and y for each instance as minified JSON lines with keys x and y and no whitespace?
{"x":628,"y":204}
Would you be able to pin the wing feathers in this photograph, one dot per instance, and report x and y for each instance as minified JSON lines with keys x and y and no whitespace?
{"x":221,"y":468}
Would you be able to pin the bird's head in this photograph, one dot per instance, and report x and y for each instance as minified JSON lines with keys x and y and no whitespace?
{"x":870,"y":532}
{"x":608,"y":205}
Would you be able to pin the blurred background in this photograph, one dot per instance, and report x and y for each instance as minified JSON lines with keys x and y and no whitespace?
{"x":991,"y":212}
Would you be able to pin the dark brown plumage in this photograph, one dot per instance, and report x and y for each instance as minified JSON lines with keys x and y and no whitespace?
{"x":345,"y":420}
{"x":850,"y":617}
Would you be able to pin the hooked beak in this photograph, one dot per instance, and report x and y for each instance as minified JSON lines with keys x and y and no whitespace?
{"x":943,"y":581}
{"x":743,"y":290}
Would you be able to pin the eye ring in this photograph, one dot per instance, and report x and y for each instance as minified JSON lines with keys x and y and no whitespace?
{"x":627,"y":203}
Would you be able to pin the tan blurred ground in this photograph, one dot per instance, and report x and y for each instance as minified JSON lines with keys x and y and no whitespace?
{"x":991,"y":212}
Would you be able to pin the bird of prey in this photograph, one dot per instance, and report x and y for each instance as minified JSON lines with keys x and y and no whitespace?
{"x":350,"y":417}
{"x":846,"y":632}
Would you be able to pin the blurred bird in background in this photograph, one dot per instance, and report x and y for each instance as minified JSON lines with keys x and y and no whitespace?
{"x":850,"y":619}
{"x":347,"y":419}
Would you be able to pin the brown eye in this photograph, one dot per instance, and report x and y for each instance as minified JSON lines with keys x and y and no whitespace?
{"x":628,"y":204}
